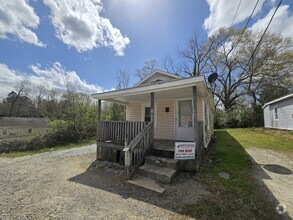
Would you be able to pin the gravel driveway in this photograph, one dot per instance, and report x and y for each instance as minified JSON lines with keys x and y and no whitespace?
{"x":274,"y":169}
{"x":66,"y":185}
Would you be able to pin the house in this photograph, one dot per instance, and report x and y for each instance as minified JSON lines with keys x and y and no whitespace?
{"x":279,"y":113}
{"x":15,"y":127}
{"x":161,"y":109}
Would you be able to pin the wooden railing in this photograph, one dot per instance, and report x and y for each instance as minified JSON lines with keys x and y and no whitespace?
{"x":136,"y":150}
{"x":118,"y":131}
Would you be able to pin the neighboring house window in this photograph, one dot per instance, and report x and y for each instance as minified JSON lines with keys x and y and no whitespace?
{"x":29,"y":130}
{"x":147,"y":114}
{"x":276,"y":113}
{"x":4,"y":132}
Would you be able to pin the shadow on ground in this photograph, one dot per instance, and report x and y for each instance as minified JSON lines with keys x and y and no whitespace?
{"x":182,"y":191}
{"x":111,"y":178}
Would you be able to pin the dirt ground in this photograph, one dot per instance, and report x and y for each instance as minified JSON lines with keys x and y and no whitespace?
{"x":275,"y":170}
{"x":66,"y":185}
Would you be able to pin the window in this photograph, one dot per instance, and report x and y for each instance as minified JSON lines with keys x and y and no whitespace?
{"x":276,"y":113}
{"x":185,"y":113}
{"x":29,"y":130}
{"x":4,"y":132}
{"x":147,"y":114}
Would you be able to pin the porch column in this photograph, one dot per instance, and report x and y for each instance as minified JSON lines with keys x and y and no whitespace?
{"x":99,"y":148}
{"x":152,"y":133}
{"x":194,"y":109}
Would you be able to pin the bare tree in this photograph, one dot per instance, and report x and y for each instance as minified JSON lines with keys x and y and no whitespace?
{"x":148,"y":67}
{"x":123,"y":79}
{"x":21,"y":87}
{"x":196,"y":55}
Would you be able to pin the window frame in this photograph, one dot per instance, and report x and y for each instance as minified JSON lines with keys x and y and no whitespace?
{"x":276,"y":113}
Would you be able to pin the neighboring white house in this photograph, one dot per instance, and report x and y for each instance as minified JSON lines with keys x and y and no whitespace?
{"x":279,"y":113}
{"x":15,"y":127}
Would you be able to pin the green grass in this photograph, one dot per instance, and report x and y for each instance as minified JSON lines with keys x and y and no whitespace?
{"x":263,"y":138}
{"x":59,"y":147}
{"x":241,"y":196}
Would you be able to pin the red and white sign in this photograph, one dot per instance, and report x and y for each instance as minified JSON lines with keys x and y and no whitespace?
{"x":184,"y":150}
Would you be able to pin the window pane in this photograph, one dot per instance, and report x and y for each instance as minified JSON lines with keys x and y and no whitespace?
{"x":185,"y":121}
{"x":147,"y":111}
{"x":147,"y":118}
{"x":185,"y":107}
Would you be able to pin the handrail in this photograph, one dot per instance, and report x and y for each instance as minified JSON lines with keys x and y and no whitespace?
{"x":138,"y":137}
{"x":136,"y":150}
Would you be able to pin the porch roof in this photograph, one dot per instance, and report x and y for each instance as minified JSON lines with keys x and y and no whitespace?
{"x":179,"y":88}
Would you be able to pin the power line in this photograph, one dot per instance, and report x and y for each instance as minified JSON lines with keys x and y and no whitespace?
{"x":236,"y":13}
{"x":245,"y":27}
{"x":262,"y":36}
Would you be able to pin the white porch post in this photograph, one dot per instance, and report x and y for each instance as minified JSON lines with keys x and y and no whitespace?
{"x":152,"y":131}
{"x":197,"y":151}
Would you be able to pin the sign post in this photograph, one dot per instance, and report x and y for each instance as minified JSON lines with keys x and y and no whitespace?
{"x":184,"y":151}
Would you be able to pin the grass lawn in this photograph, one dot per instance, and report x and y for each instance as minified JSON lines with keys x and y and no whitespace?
{"x":263,"y":138}
{"x":59,"y":147}
{"x":241,"y":196}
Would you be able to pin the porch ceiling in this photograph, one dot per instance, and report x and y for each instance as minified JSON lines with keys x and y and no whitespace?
{"x":171,"y":90}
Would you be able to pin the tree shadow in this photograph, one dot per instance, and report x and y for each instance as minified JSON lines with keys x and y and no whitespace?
{"x":110,"y":177}
{"x":183,"y":190}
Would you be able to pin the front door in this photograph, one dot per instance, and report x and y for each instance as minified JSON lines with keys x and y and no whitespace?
{"x":184,"y":120}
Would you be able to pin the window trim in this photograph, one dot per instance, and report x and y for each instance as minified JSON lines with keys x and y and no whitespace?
{"x":276,"y":113}
{"x":143,"y":106}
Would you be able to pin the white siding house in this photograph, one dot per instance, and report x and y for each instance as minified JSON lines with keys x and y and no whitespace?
{"x":161,"y":110}
{"x":279,"y":113}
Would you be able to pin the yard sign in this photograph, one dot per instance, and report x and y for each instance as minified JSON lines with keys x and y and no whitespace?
{"x":184,"y":150}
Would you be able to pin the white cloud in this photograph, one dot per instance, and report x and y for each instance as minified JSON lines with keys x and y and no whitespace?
{"x":282,"y":22}
{"x":79,"y":24}
{"x":222,"y":13}
{"x":54,"y":77}
{"x":18,"y":18}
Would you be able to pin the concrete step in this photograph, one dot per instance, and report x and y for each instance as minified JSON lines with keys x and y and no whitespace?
{"x":162,"y":162}
{"x":147,"y":183}
{"x":162,"y":153}
{"x":162,"y":174}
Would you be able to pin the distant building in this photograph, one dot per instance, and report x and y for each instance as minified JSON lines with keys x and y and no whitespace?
{"x":279,"y":113}
{"x":15,"y":127}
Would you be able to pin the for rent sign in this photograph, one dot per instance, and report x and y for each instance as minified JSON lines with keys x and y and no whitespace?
{"x":184,"y":150}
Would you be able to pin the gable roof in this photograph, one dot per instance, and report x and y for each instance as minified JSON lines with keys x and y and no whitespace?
{"x":278,"y":100}
{"x":23,"y":122}
{"x":158,"y":72}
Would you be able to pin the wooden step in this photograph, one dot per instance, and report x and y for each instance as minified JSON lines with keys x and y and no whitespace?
{"x":147,"y":183}
{"x":162,"y":174}
{"x":162,"y":162}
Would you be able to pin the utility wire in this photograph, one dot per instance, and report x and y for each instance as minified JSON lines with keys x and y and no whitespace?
{"x":262,"y":36}
{"x":245,"y":27}
{"x":236,"y":13}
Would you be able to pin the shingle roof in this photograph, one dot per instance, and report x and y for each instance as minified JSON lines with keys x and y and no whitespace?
{"x":23,"y":122}
{"x":278,"y":100}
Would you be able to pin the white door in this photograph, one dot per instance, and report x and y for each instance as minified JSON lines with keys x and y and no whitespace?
{"x":184,"y":120}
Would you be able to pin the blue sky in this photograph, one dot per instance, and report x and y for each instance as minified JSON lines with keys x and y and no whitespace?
{"x":51,"y":42}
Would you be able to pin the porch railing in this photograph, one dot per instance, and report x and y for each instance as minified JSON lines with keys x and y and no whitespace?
{"x":118,"y":131}
{"x":136,"y":150}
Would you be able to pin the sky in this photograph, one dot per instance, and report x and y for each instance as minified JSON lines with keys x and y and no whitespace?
{"x":53,"y":42}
